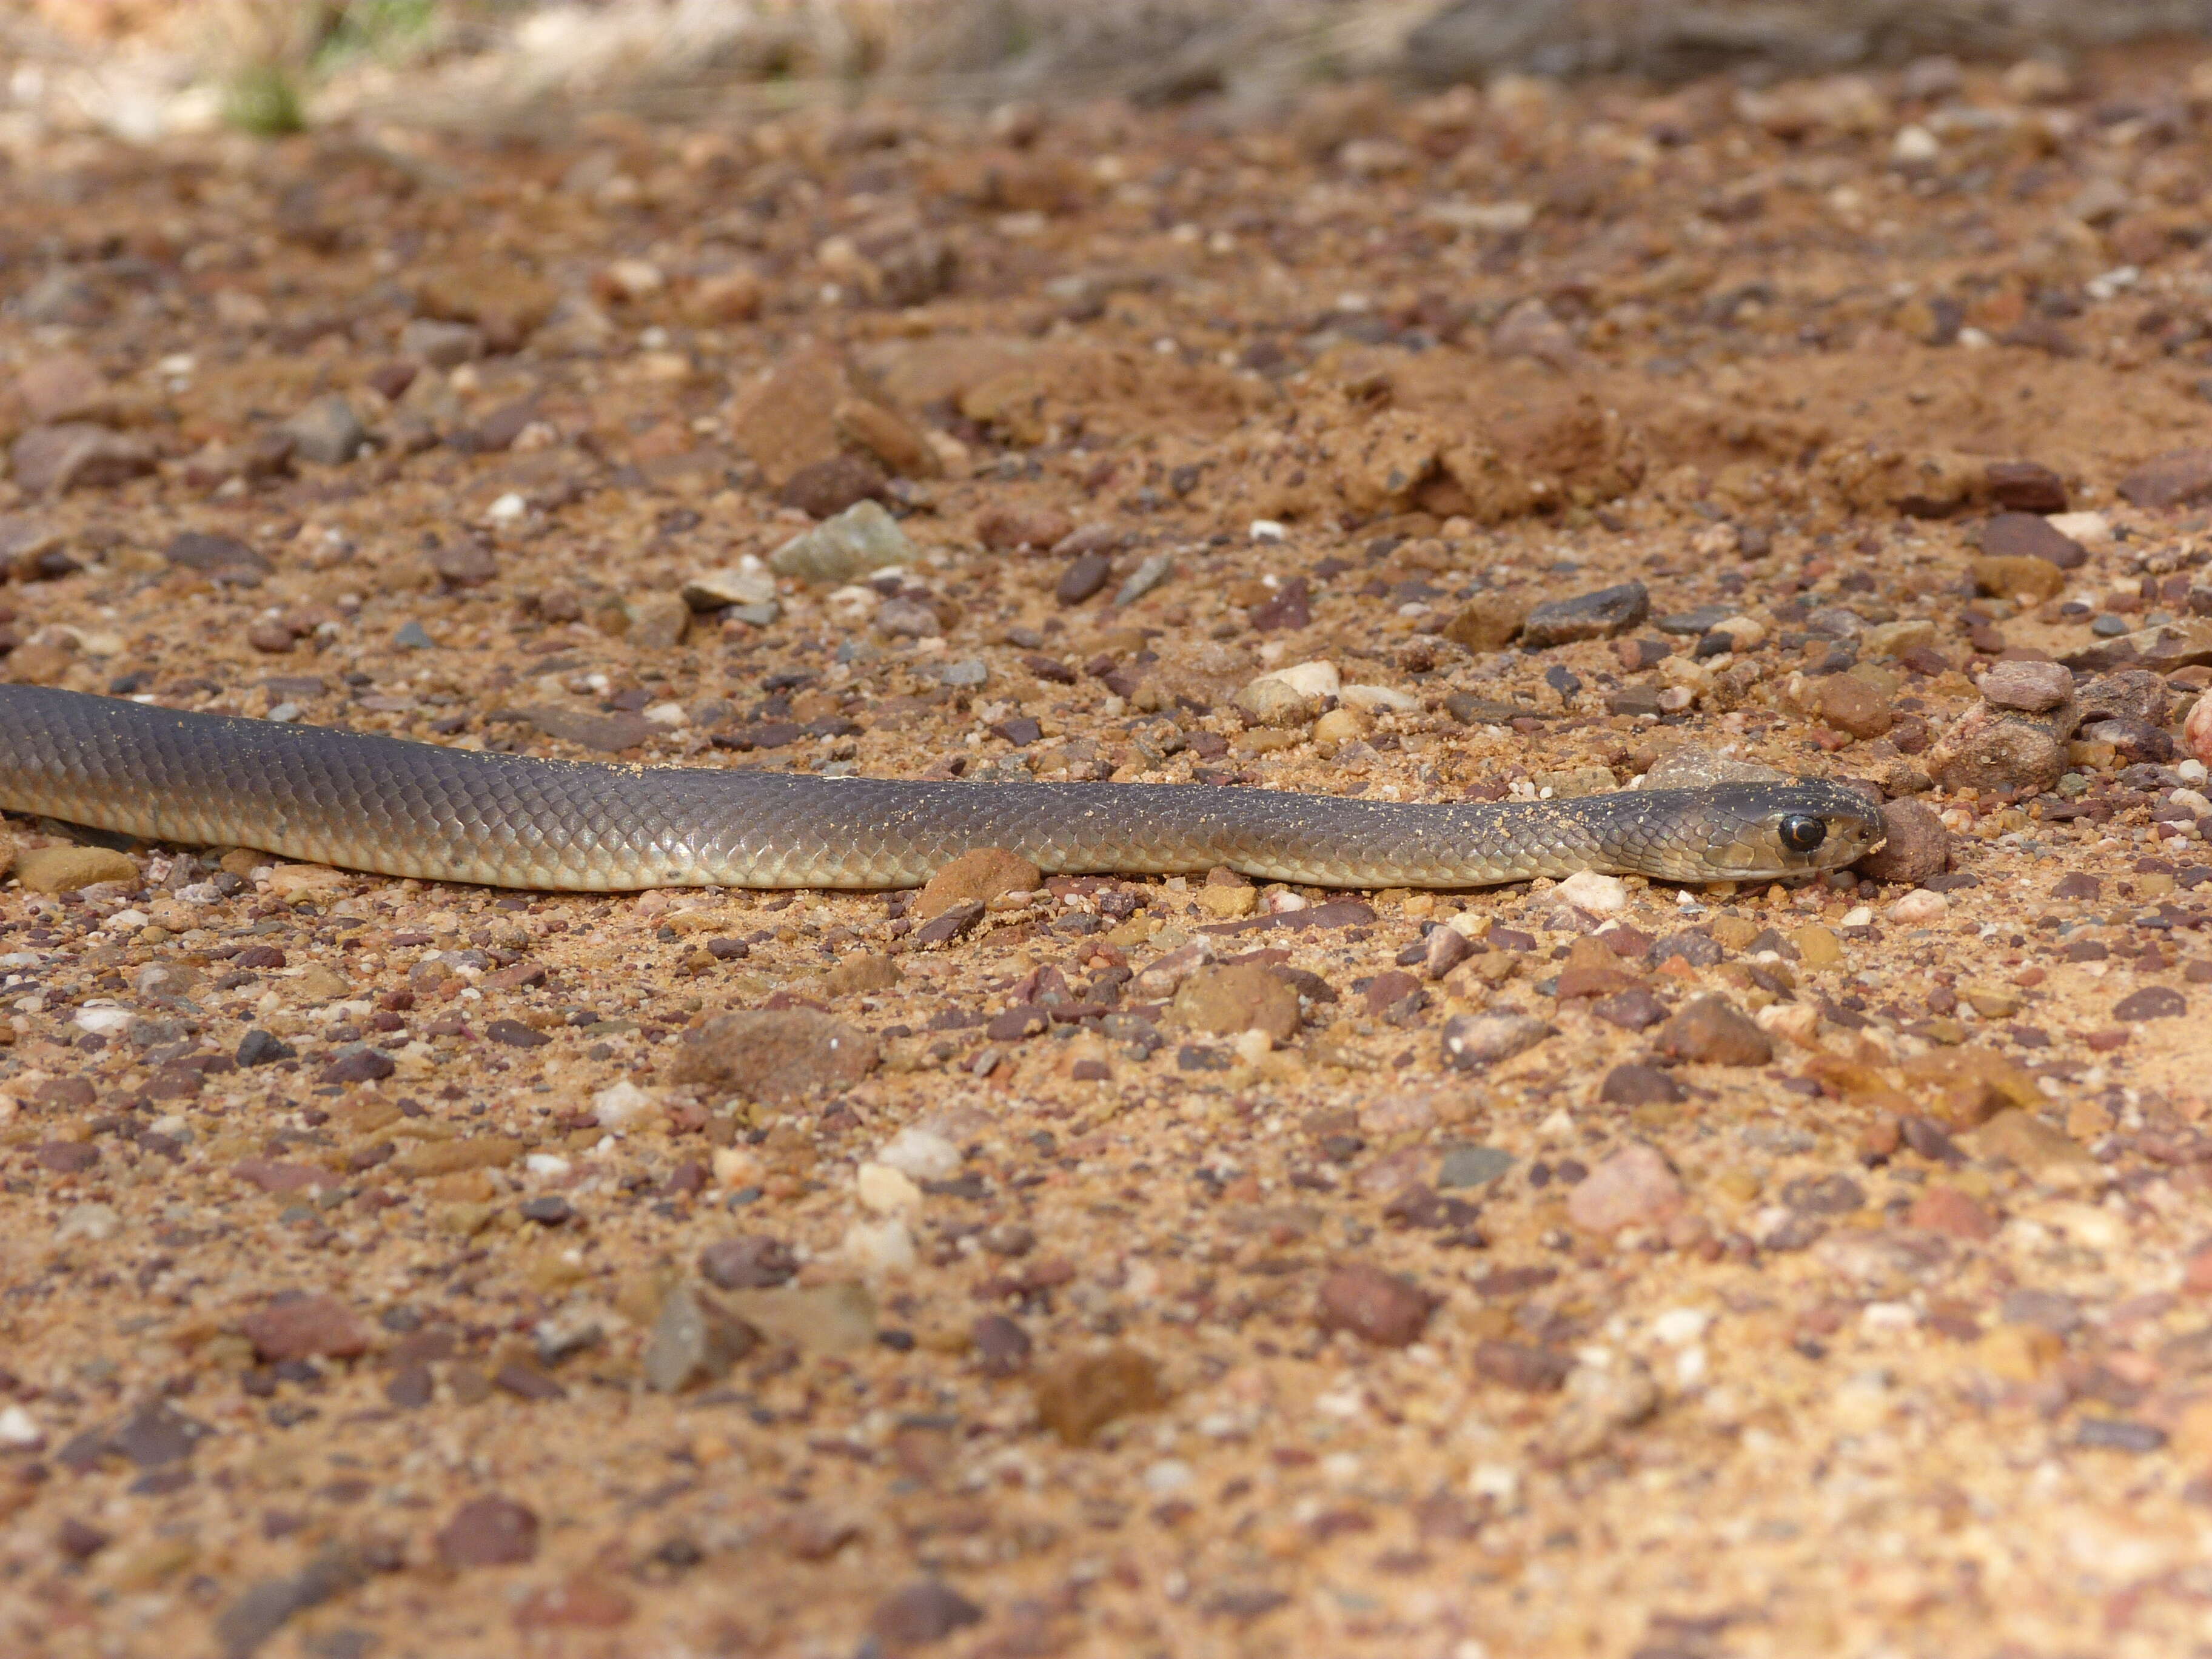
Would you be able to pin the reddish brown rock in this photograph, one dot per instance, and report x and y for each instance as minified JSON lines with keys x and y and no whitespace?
{"x":1916,"y":845}
{"x":2017,"y":577}
{"x":1711,"y":1030}
{"x":1005,"y":527}
{"x":301,"y":1326}
{"x":608,"y":733}
{"x":2151,"y":1002}
{"x":2034,"y":687}
{"x":2027,"y":536}
{"x":506,"y":302}
{"x":1949,"y":1211}
{"x":775,"y":1055}
{"x":785,"y":417}
{"x":1488,"y":621}
{"x":1987,"y":750}
{"x":1377,"y":1307}
{"x":1522,"y":1366}
{"x":2026,"y":487}
{"x":1472,"y":1042}
{"x":1239,"y":997}
{"x":823,"y":489}
{"x":1079,"y":1397}
{"x":1634,"y":1188}
{"x":877,"y":430}
{"x":488,"y":1531}
{"x":1851,"y":705}
{"x":52,"y":461}
{"x":978,"y":876}
{"x":2182,"y":477}
{"x":66,"y":386}
{"x":585,"y":1601}
{"x":921,"y":1614}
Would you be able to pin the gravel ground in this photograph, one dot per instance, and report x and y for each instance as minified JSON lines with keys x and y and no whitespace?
{"x":1124,"y":1266}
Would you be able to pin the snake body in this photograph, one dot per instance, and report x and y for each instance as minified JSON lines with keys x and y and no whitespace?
{"x":398,"y":808}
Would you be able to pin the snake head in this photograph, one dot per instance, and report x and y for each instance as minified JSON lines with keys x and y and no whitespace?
{"x":1761,"y":831}
{"x":1754,"y":831}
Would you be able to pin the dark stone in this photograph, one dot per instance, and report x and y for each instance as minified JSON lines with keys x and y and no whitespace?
{"x":748,"y":1263}
{"x":1712,"y":1030}
{"x":264,"y":1607}
{"x":2152,"y":1002}
{"x":1244,"y":1602}
{"x":463,"y":564}
{"x":361,"y":1065}
{"x":951,"y":924}
{"x":1640,"y":1085}
{"x":1002,"y":1346}
{"x":2119,"y":1434}
{"x":1593,"y":615}
{"x":488,"y":1531}
{"x":2024,"y":535}
{"x":2026,"y":487}
{"x":2182,"y":477}
{"x":515,"y":1035}
{"x":68,"y":1157}
{"x":1521,"y":1366}
{"x":1418,"y":1205}
{"x":1696,"y":949}
{"x":1292,"y":607}
{"x":1927,"y":1137}
{"x":498,"y":430}
{"x":527,"y":1382}
{"x":920,"y":1614}
{"x":1084,"y":576}
{"x":1703,"y":620}
{"x":1632,"y":1010}
{"x":1832,"y":1194}
{"x":825,"y":489}
{"x":608,"y":733}
{"x":548,"y":1209}
{"x":215,"y":556}
{"x":1472,"y":1166}
{"x":158,"y":1434}
{"x":411,"y":1387}
{"x":1376,"y":1306}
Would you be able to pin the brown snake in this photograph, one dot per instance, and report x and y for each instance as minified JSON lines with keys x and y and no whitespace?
{"x":411,"y":808}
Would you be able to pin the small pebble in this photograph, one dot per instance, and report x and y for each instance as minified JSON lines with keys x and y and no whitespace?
{"x":2032,"y":687}
{"x":1377,"y":1307}
{"x":1633,"y":1187}
{"x":1918,"y":907}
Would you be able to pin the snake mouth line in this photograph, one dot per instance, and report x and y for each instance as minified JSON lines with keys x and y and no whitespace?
{"x":393,"y":807}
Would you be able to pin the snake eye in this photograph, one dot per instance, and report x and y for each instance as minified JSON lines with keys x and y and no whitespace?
{"x":1801,"y":832}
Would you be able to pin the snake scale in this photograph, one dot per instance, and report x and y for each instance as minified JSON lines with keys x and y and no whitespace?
{"x":399,"y":808}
